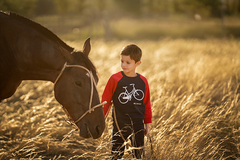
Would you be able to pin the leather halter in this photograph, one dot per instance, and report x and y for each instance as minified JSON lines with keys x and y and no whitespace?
{"x":93,"y":84}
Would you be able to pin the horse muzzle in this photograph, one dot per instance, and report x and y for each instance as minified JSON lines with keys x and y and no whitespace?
{"x":88,"y":131}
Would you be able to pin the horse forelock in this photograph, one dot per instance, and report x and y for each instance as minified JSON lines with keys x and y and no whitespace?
{"x":41,"y":29}
{"x":79,"y":57}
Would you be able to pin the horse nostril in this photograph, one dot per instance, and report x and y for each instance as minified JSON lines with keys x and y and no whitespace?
{"x":99,"y":130}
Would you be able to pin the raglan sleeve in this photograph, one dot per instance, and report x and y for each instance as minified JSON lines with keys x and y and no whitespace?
{"x":148,"y":108}
{"x":107,"y":95}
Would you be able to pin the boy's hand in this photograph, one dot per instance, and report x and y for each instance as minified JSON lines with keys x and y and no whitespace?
{"x":147,"y":129}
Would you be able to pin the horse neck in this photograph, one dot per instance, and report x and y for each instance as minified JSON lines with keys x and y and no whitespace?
{"x":44,"y":65}
{"x":34,"y":55}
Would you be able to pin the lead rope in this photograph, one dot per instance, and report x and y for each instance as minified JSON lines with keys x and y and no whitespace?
{"x":125,"y":141}
{"x":115,"y":118}
{"x":93,"y":84}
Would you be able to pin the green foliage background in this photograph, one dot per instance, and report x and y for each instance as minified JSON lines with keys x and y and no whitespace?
{"x":132,"y":7}
{"x":132,"y":19}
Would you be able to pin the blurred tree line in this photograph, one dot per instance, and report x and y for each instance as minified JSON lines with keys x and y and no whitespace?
{"x":208,"y":8}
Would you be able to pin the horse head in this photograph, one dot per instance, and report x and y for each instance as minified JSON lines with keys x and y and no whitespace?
{"x":75,"y":89}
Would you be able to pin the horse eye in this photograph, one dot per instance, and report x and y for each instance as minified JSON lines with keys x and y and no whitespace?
{"x":78,"y":83}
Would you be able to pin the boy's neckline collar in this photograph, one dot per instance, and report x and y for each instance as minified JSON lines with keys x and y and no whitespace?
{"x":137,"y":74}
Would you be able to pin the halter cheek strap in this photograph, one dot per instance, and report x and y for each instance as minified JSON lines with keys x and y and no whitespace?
{"x":93,"y":84}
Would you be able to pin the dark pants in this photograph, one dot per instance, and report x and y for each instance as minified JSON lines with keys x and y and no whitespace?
{"x":133,"y":131}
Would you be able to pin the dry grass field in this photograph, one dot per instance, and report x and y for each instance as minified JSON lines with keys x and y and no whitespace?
{"x":195,"y":101}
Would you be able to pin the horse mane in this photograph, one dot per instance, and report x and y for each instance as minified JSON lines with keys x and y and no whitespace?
{"x":46,"y":32}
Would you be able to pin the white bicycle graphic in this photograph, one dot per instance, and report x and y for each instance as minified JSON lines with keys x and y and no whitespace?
{"x":126,"y":96}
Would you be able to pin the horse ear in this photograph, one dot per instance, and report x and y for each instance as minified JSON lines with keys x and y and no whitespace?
{"x":67,"y":56}
{"x":87,"y":47}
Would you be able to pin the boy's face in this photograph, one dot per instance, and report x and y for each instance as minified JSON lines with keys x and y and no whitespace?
{"x":128,"y":65}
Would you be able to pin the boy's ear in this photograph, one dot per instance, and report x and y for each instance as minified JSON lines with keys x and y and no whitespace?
{"x":138,"y":63}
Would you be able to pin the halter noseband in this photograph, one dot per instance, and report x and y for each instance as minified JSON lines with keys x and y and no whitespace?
{"x":93,"y":83}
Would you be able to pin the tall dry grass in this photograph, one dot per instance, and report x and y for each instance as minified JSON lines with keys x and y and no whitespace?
{"x":195,"y":101}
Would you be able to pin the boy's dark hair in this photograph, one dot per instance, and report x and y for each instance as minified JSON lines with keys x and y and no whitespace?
{"x":133,"y":51}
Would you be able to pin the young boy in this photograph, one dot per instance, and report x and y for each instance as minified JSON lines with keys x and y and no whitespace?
{"x":129,"y":92}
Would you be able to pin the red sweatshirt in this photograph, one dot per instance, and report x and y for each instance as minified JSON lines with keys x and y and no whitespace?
{"x":130,"y":97}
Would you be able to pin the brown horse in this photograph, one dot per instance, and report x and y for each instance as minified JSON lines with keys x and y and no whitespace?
{"x":29,"y":51}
